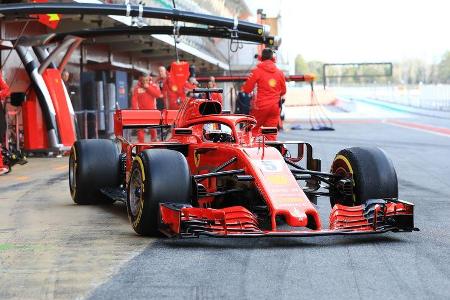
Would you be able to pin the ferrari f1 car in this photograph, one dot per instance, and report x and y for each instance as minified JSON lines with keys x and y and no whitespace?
{"x":209,"y":176}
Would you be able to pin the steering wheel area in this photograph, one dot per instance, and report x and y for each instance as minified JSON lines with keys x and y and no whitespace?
{"x":218,"y":136}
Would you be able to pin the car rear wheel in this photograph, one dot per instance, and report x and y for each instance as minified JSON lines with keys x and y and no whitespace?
{"x":157,"y":176}
{"x":93,"y":165}
{"x":373,"y":175}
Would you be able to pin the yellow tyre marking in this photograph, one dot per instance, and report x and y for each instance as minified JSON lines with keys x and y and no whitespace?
{"x":137,"y":220}
{"x":341,"y":157}
{"x":73,"y":191}
{"x":141,"y":164}
{"x":347,"y":162}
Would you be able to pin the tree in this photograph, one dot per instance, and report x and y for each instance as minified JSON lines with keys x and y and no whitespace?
{"x":433,"y":76}
{"x":315,"y":67}
{"x":301,"y":66}
{"x":444,"y":68}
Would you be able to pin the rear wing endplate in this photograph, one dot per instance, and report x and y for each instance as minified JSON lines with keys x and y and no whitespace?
{"x":134,"y":118}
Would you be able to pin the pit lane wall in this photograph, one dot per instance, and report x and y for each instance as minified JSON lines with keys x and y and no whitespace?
{"x":301,"y":96}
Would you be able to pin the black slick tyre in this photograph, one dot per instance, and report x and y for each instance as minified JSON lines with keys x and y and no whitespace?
{"x":373,"y":175}
{"x":157,"y":176}
{"x":93,"y":165}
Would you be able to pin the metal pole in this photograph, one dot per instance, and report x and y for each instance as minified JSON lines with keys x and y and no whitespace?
{"x":131,"y":11}
{"x":85,"y":125}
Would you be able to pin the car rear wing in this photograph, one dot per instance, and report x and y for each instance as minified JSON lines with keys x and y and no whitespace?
{"x":142,"y":118}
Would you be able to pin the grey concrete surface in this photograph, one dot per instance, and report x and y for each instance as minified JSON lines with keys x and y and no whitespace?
{"x":53,"y":249}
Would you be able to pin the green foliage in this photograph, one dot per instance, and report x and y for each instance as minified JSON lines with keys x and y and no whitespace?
{"x":443,"y":68}
{"x":301,"y":66}
{"x":411,"y":71}
{"x":315,"y":67}
{"x":308,"y":67}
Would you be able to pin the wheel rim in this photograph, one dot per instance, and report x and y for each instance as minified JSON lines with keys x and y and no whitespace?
{"x":136,"y":192}
{"x":342,"y":167}
{"x":72,"y":173}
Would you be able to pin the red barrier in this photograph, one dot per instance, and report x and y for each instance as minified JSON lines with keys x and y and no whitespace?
{"x":34,"y":129}
{"x":64,"y":118}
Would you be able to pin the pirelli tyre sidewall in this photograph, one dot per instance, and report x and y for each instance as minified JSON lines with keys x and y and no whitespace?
{"x":373,"y":174}
{"x":157,"y":176}
{"x":93,"y":165}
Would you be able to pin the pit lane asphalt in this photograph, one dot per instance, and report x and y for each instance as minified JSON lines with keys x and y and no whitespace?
{"x":85,"y":246}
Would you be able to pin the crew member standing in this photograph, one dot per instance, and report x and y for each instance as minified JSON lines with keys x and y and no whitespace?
{"x":270,"y":87}
{"x":4,"y":93}
{"x":144,"y":97}
{"x":167,"y":88}
{"x":190,"y":85}
{"x":212,"y":79}
{"x":215,"y":96}
{"x":72,"y":89}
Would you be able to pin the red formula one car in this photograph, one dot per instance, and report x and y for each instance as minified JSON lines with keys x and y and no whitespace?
{"x":207,"y":175}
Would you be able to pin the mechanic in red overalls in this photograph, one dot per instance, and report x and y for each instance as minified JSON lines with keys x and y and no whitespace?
{"x":144,"y":97}
{"x":215,"y":96}
{"x":4,"y":93}
{"x":168,"y":89}
{"x":191,"y":84}
{"x":271,"y":86}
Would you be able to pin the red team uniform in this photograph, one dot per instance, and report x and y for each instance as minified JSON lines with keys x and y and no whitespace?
{"x":217,"y":97}
{"x":271,"y":85}
{"x":4,"y":93}
{"x":145,"y":98}
{"x":170,"y":93}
